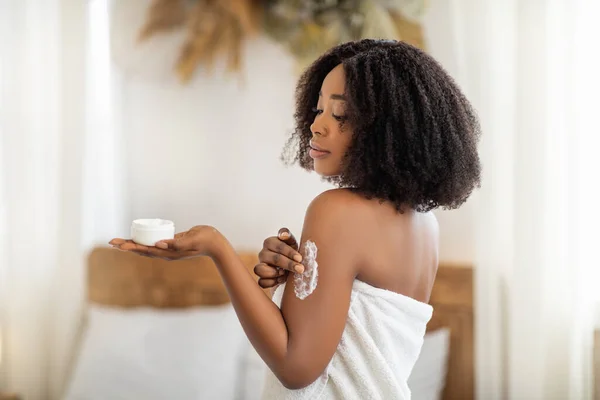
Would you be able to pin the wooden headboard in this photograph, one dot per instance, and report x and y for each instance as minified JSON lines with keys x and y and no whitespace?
{"x":122,"y":279}
{"x":452,"y":301}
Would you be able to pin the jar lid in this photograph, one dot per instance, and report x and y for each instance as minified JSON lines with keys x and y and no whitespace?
{"x":152,"y":224}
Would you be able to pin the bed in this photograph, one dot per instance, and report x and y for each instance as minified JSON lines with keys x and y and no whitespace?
{"x":126,"y":282}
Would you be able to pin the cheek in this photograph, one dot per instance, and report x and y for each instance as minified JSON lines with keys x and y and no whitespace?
{"x":344,"y":141}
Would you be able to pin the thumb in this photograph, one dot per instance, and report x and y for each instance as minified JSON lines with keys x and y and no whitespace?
{"x":286,"y":236}
{"x":178,"y":244}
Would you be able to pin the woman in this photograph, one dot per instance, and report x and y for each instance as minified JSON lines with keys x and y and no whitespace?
{"x":385,"y":123}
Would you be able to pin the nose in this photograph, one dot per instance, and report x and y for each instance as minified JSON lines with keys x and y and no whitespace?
{"x":318,"y":128}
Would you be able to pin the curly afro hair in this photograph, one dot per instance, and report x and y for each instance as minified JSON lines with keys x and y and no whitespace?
{"x":414,"y":132}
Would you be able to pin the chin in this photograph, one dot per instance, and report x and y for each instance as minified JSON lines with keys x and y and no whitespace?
{"x":327,"y":167}
{"x":327,"y":172}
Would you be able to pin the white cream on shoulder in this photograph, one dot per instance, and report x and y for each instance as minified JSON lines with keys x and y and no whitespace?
{"x":306,"y":282}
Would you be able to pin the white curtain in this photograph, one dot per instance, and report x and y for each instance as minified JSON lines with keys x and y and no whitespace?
{"x":60,"y":181}
{"x":531,"y":68}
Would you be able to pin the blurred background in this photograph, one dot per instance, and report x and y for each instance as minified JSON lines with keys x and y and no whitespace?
{"x":117,"y":110}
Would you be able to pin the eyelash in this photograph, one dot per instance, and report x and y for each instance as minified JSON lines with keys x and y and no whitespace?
{"x":339,"y":118}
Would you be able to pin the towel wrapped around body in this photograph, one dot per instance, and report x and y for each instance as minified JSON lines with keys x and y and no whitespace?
{"x":379,"y":347}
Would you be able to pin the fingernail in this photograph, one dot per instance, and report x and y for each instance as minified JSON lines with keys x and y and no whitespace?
{"x":298,"y":258}
{"x":162,"y":245}
{"x":281,"y":272}
{"x":284,"y":235}
{"x":299,"y":268}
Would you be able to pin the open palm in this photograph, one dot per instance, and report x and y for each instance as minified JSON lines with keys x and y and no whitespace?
{"x":192,"y":243}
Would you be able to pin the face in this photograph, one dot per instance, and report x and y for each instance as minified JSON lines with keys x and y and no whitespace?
{"x":330,"y":135}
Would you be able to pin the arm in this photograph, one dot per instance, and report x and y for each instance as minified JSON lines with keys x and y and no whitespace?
{"x":298,"y":341}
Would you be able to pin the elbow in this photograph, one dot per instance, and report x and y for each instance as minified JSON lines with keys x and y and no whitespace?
{"x":295,"y":378}
{"x":294,"y":383}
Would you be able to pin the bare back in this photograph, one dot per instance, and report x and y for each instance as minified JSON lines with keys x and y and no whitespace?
{"x":399,"y":250}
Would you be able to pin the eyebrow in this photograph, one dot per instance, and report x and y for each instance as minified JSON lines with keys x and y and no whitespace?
{"x":334,"y":96}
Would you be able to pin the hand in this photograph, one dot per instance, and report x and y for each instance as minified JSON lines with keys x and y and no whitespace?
{"x":198,"y":241}
{"x":278,"y":257}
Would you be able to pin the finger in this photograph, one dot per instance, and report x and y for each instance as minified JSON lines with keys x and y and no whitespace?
{"x":267,"y":283}
{"x":278,"y":246}
{"x":149,"y":251}
{"x":163,"y":244}
{"x":289,"y":239}
{"x":266,"y":271}
{"x":132,"y":246}
{"x":127,"y":245}
{"x":180,"y":243}
{"x":275,"y":259}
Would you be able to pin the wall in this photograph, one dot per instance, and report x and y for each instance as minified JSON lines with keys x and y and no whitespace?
{"x":208,"y":152}
{"x":456,"y":226}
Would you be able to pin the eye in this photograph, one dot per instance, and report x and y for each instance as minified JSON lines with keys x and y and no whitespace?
{"x":317,"y":111}
{"x":340,"y":118}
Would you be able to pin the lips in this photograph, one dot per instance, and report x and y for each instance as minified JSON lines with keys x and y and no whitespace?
{"x":315,"y":146}
{"x":317,"y":152}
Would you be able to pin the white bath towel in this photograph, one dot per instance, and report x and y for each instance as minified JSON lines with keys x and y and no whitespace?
{"x":379,"y":347}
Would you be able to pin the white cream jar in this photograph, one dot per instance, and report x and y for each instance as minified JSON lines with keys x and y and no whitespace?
{"x":149,"y":231}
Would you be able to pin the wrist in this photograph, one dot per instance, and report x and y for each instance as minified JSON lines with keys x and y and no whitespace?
{"x":219,"y":246}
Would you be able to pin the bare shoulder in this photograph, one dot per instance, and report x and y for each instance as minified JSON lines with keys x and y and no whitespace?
{"x":337,"y":204}
{"x":334,"y":221}
{"x":355,"y":211}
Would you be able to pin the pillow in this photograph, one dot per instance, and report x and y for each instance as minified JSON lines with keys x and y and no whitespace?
{"x":155,"y":354}
{"x":428,"y":377}
{"x":253,"y":374}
